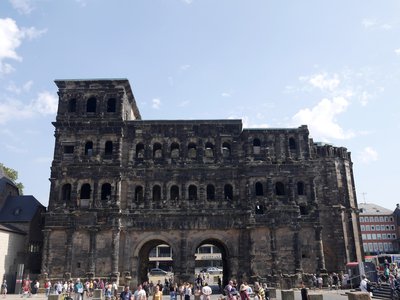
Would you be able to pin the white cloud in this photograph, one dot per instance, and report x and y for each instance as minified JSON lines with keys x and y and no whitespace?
{"x":322,"y":81}
{"x":184,"y":103}
{"x":187,"y":1}
{"x":156,"y":103}
{"x":44,"y":104}
{"x":375,"y":24}
{"x":321,"y":119}
{"x":368,"y":23}
{"x":397,"y":51}
{"x":24,"y":7}
{"x":12,"y":87}
{"x":11,"y":38}
{"x":184,"y":67}
{"x":364,"y":98}
{"x":368,"y":155}
{"x":226,"y":95}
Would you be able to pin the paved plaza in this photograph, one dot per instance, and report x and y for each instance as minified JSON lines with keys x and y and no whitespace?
{"x":327,"y":295}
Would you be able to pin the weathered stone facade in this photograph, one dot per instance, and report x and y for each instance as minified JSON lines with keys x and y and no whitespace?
{"x":273,"y":201}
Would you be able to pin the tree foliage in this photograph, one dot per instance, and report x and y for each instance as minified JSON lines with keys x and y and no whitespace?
{"x":13,"y":176}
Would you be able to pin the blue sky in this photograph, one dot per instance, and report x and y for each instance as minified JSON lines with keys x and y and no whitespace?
{"x":333,"y":65}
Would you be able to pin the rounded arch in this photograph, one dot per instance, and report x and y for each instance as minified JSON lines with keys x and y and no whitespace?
{"x":142,"y":252}
{"x":225,"y":246}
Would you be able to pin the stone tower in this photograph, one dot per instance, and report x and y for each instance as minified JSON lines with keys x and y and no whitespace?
{"x":273,"y":201}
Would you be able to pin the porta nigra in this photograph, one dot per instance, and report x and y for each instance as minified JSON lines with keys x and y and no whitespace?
{"x":277,"y":204}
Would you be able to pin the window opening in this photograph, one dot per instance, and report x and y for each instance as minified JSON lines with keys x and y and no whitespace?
{"x":292,"y":144}
{"x":226,"y":149}
{"x":279,"y":189}
{"x":157,"y":150}
{"x":192,"y":192}
{"x":108,"y":150}
{"x":140,"y":150}
{"x":259,"y":189}
{"x":85,"y":191}
{"x":210,"y":192}
{"x":68,"y":149}
{"x":228,"y":192}
{"x":89,"y":148}
{"x":106,"y":192}
{"x":300,"y":188}
{"x":156,"y":193}
{"x":139,"y":194}
{"x":174,"y":193}
{"x":91,"y":105}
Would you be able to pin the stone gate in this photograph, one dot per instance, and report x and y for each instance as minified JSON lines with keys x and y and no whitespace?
{"x":273,"y":201}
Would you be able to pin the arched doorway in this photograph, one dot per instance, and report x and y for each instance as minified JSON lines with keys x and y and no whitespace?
{"x":155,"y":262}
{"x":211,"y":263}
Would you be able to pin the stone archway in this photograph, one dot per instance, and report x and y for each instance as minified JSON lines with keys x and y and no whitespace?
{"x":225,"y":256}
{"x":143,"y":258}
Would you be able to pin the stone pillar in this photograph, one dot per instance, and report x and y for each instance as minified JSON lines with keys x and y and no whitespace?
{"x":275,"y":264}
{"x":358,"y":296}
{"x":313,"y":190}
{"x":68,"y":252}
{"x":92,"y":252}
{"x":291,"y":190}
{"x":115,"y":252}
{"x":315,"y":297}
{"x":46,"y":251}
{"x":297,"y":248}
{"x":320,"y":249}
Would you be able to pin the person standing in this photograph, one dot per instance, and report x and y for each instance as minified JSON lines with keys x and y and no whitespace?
{"x":157,"y":293}
{"x":304,"y":292}
{"x":140,"y":293}
{"x":78,"y":289}
{"x":244,"y":295}
{"x":4,"y":288}
{"x":126,"y":294}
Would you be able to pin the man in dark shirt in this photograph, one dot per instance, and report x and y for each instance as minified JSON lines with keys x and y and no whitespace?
{"x":126,"y":294}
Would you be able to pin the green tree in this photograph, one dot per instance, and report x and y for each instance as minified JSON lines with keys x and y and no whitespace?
{"x":13,"y":176}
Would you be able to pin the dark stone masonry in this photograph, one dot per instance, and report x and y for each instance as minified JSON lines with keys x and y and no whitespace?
{"x":278,"y":205}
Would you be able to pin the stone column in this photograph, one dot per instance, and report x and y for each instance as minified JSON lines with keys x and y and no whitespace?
{"x":68,"y":254}
{"x":275,"y":265}
{"x":92,"y":252}
{"x":291,"y":191}
{"x":313,"y":190}
{"x":320,"y":249}
{"x":297,"y":248}
{"x":46,"y":252}
{"x":115,"y":252}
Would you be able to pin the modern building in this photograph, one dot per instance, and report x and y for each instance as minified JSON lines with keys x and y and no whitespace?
{"x":272,"y":201}
{"x":378,"y":229}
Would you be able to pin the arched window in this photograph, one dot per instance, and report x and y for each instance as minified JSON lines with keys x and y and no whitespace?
{"x":106,"y":192}
{"x":174,"y":150}
{"x":279,"y":189}
{"x":156,"y":193}
{"x":292,"y":144}
{"x":226,"y":149}
{"x":66,"y":193}
{"x":210,"y":192}
{"x":174,"y":192}
{"x":157,"y":150}
{"x":228,"y":192}
{"x":108,"y":150}
{"x":111,"y":105}
{"x":300,"y":188}
{"x":259,"y":189}
{"x":89,"y":148}
{"x":86,"y":191}
{"x":256,"y":146}
{"x":140,"y":150}
{"x":139,"y":194}
{"x":72,"y":105}
{"x":192,"y":192}
{"x":209,"y":150}
{"x":192,"y":150}
{"x":91,"y":105}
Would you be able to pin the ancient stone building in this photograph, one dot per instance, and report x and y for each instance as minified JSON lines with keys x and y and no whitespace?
{"x":272,"y":200}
